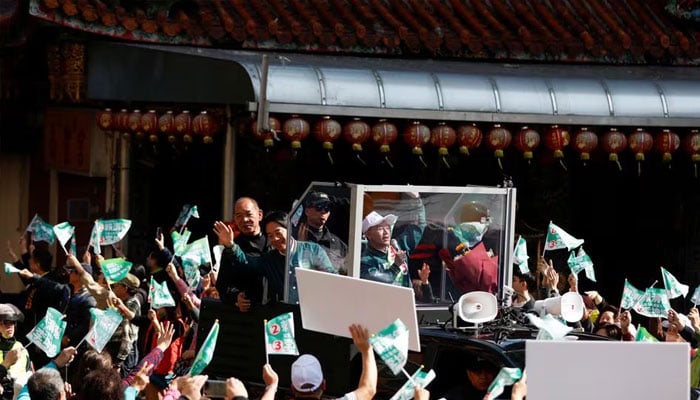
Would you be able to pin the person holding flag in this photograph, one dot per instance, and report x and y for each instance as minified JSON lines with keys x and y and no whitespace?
{"x":307,"y":374}
{"x":122,"y":345}
{"x":15,"y":366}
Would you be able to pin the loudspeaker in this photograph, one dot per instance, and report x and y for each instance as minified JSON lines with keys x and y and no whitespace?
{"x":477,"y":307}
{"x":569,"y":306}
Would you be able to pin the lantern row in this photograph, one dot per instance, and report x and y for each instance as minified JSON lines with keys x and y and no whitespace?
{"x":469,"y":137}
{"x":150,"y":125}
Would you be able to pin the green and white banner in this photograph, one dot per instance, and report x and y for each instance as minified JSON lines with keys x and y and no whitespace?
{"x":581,"y":262}
{"x":159,"y":295}
{"x":108,"y":231}
{"x":630,"y":295}
{"x":673,"y":287}
{"x":47,"y":334}
{"x":186,"y":213}
{"x":520,"y":256}
{"x":558,"y":238}
{"x":104,"y":324}
{"x":654,"y":303}
{"x":421,"y":377}
{"x":10,"y":269}
{"x":391,"y":344}
{"x":206,"y":352}
{"x":279,"y":335}
{"x":41,"y":231}
{"x":180,"y":241}
{"x":550,"y":327}
{"x":506,"y":377}
{"x":63,"y":231}
{"x":115,"y":269}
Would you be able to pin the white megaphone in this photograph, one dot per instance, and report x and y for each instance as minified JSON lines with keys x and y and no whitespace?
{"x":477,"y":307}
{"x":569,"y":306}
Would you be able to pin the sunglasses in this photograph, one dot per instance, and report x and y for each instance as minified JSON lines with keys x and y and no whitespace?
{"x":324,"y":207}
{"x":8,"y":322}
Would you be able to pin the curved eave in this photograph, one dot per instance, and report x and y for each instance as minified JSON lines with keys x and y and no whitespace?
{"x":421,"y":89}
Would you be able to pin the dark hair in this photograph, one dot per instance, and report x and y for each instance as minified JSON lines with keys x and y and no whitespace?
{"x":93,"y":360}
{"x":43,"y":258}
{"x":611,"y":308}
{"x":279,"y":217}
{"x":45,"y":384}
{"x":612,"y":331}
{"x":527,"y":277}
{"x":104,"y":384}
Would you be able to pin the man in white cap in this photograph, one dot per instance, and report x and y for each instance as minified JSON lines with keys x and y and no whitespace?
{"x":307,"y":375}
{"x":381,"y":261}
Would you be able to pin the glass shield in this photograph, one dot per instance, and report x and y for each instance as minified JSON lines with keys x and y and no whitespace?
{"x":318,"y":234}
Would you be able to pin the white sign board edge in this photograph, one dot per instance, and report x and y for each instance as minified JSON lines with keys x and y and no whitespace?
{"x":607,"y":370}
{"x":331,"y":303}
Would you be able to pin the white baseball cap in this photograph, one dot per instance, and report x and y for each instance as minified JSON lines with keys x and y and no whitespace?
{"x":374,"y":219}
{"x":307,"y":375}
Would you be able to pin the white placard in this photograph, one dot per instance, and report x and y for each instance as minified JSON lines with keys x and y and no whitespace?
{"x":330,"y":303}
{"x":602,"y":370}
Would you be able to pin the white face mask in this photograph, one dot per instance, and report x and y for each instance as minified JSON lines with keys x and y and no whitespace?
{"x":471,"y":232}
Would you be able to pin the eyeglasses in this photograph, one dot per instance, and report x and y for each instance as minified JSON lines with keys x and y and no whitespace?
{"x":8,"y":322}
{"x":323,"y":207}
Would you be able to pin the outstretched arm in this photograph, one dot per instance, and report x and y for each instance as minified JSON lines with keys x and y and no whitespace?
{"x":367,"y":387}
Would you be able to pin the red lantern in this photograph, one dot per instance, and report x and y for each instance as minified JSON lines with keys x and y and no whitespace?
{"x":585,"y":142}
{"x":641,"y":142}
{"x":327,"y":130}
{"x":526,"y":141}
{"x":443,"y":136}
{"x":121,"y":123}
{"x":267,"y":136}
{"x":556,"y":139}
{"x":498,"y":139}
{"x":356,"y":132}
{"x":205,"y":125}
{"x":469,"y":137}
{"x":384,"y":133}
{"x":166,"y":125}
{"x":183,"y":127}
{"x":135,"y":123}
{"x":149,"y":123}
{"x":295,"y":130}
{"x":691,"y":145}
{"x":667,"y":143}
{"x":417,"y":135}
{"x":105,"y":120}
{"x":614,"y":142}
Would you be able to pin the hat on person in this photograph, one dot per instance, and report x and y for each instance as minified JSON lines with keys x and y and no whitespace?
{"x":314,"y":198}
{"x":374,"y":219}
{"x":9,"y":312}
{"x":87,"y":267}
{"x":130,"y":281}
{"x":307,"y":375}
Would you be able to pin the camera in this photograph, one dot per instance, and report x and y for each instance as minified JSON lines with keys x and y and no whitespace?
{"x":8,"y":386}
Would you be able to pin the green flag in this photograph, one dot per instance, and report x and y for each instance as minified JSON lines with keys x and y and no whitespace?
{"x":159,"y":295}
{"x":104,"y":324}
{"x":63,"y":231}
{"x":506,"y":377}
{"x":520,"y":256}
{"x":108,"y":231}
{"x":41,"y":231}
{"x":180,"y":241}
{"x":581,"y":262}
{"x":673,"y":287}
{"x":391,"y":343}
{"x":185,"y":214}
{"x":206,"y":352}
{"x":279,"y":335}
{"x":47,"y":334}
{"x":644,"y":336}
{"x":10,"y":269}
{"x":654,"y":303}
{"x":558,"y":238}
{"x":550,"y":327}
{"x":420,"y":377}
{"x":191,"y":270}
{"x":115,"y":269}
{"x":197,"y":251}
{"x":630,"y":295}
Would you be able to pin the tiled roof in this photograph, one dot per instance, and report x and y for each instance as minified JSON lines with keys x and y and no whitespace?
{"x":610,"y":31}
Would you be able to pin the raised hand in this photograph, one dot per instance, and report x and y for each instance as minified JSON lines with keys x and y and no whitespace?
{"x":143,"y":377}
{"x":235,"y":388}
{"x":269,"y":375}
{"x":424,"y":273}
{"x":11,"y":252}
{"x":160,"y":241}
{"x":360,"y":337}
{"x":66,"y":356}
{"x":242,"y":302}
{"x":224,"y":233}
{"x":165,"y":336}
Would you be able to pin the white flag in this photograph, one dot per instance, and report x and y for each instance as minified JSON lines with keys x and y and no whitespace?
{"x":558,"y":238}
{"x":673,"y":287}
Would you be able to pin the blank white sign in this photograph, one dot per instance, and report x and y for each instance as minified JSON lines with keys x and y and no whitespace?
{"x":330,"y":303}
{"x":604,"y":370}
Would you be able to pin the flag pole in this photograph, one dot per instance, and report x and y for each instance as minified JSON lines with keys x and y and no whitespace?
{"x":409,"y":377}
{"x":622,"y":298}
{"x":267,"y":356}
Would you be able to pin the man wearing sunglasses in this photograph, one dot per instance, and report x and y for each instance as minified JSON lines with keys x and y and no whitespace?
{"x":312,"y":228}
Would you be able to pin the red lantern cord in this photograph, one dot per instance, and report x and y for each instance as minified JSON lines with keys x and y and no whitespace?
{"x":357,"y":132}
{"x":667,"y":143}
{"x":691,"y":145}
{"x":327,"y":130}
{"x":614,"y":142}
{"x":384,"y":133}
{"x":640,"y":143}
{"x":556,"y":139}
{"x":417,"y":135}
{"x":526,"y":141}
{"x":443,"y":136}
{"x":268,"y":136}
{"x":469,"y":137}
{"x":584,"y":142}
